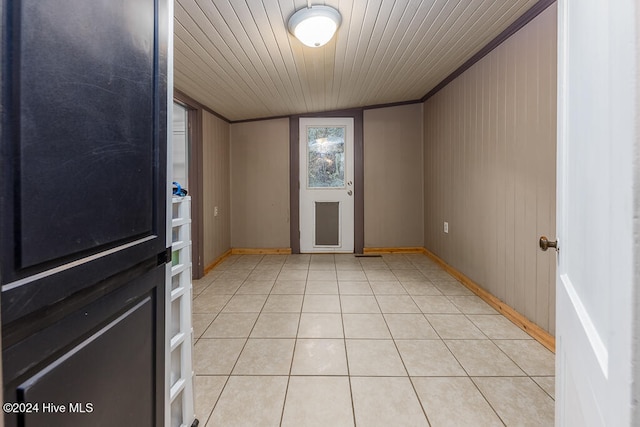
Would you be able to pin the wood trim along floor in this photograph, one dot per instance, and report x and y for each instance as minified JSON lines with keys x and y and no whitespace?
{"x":261,"y":251}
{"x":247,"y":251}
{"x":217,"y":261}
{"x":535,"y":331}
{"x":404,"y":250}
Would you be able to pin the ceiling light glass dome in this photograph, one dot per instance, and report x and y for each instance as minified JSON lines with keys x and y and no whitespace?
{"x":314,"y":26}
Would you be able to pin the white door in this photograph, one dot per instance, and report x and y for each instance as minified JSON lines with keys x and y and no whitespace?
{"x":326,"y":185}
{"x":597,"y":110}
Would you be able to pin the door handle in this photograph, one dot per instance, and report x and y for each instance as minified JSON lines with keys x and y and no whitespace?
{"x":350,"y":192}
{"x":546,"y":244}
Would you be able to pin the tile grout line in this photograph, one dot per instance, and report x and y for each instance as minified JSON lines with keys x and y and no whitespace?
{"x":395,"y":344}
{"x":469,"y":375}
{"x":346,"y":354}
{"x":340,"y":302}
{"x":467,"y":372}
{"x":295,"y":346}
{"x":243,"y":346}
{"x":545,"y":391}
{"x":246,"y":340}
{"x":487,"y":400}
{"x":456,"y":359}
{"x":527,"y":375}
{"x":228,"y":376}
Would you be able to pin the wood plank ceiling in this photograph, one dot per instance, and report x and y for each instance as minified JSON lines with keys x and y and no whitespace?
{"x":238,"y":58}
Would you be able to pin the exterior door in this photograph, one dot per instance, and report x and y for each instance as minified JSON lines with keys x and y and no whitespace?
{"x":596,"y":302}
{"x":326,"y":185}
{"x":83,"y":211}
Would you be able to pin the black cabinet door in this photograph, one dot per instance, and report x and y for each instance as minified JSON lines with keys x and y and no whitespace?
{"x":83,"y":209}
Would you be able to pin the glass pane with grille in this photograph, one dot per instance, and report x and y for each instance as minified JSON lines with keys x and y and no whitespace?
{"x":325,"y":149}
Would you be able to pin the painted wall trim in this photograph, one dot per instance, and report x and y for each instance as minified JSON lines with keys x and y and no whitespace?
{"x":196,"y":180}
{"x":259,"y":119}
{"x":523,"y":20}
{"x":260,"y":251}
{"x":217,"y":261}
{"x":181,"y":95}
{"x":314,"y":114}
{"x":535,"y":331}
{"x":392,"y":104}
{"x":294,"y":185}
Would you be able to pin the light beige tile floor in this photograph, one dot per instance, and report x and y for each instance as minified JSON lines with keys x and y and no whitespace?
{"x":336,"y":340}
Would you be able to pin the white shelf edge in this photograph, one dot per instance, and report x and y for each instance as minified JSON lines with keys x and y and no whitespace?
{"x":179,"y":245}
{"x":178,"y":292}
{"x":177,"y":222}
{"x":177,"y":388}
{"x":179,"y":268}
{"x":177,"y":339}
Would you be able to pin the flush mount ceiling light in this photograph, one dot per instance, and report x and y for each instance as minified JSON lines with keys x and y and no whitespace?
{"x":314,"y":26}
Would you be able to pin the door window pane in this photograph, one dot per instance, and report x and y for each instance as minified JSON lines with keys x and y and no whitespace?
{"x":325,"y":148}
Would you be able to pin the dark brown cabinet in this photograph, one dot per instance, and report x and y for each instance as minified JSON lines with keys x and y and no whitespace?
{"x":83,"y":210}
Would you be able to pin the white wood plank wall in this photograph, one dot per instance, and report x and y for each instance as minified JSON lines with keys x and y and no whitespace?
{"x":490,"y":170}
{"x":238,"y":58}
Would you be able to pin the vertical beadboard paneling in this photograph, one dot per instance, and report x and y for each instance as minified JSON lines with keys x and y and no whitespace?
{"x":500,"y":121}
{"x":489,"y":159}
{"x":384,"y":51}
{"x":546,"y":207}
{"x":530,"y":143}
{"x":509,"y":49}
{"x":492,"y":154}
{"x":215,"y":187}
{"x":260,"y":184}
{"x":393,"y":177}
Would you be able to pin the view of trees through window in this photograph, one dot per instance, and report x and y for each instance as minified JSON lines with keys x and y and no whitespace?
{"x":325,"y":147}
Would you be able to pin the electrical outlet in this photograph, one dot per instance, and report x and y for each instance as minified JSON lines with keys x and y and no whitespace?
{"x":446,"y":227}
{"x":215,"y":211}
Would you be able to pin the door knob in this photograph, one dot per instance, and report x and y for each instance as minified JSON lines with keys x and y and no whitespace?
{"x":350,"y":192}
{"x":546,"y":244}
